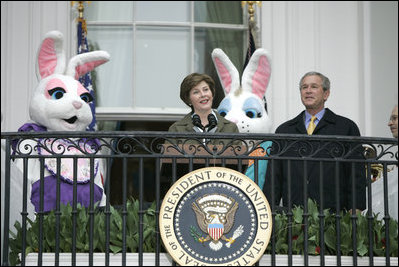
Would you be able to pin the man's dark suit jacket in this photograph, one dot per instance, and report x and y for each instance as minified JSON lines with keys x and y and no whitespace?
{"x":330,"y":124}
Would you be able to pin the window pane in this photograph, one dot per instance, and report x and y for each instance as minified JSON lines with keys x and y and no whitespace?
{"x":163,"y":11}
{"x":109,"y":11}
{"x":148,"y":63}
{"x":114,"y":79}
{"x":161,"y":62}
{"x":229,"y":12}
{"x":230,"y":41}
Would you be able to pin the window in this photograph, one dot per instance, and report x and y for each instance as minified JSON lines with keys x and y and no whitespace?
{"x":153,"y":46}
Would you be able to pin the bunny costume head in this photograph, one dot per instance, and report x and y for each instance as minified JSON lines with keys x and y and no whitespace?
{"x":60,"y":102}
{"x":243,"y":103}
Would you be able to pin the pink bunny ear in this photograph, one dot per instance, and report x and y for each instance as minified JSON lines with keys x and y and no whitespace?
{"x":256,"y":75}
{"x":227,"y":73}
{"x":83,"y":63}
{"x":51,"y":56}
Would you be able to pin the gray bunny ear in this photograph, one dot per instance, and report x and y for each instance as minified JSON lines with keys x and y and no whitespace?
{"x":227,"y":72}
{"x":256,"y":75}
{"x":51,"y":55}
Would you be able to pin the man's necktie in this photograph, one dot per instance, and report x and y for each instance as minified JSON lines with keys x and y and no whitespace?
{"x":312,"y":125}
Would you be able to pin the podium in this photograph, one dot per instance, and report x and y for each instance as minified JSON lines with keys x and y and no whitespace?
{"x":182,"y":159}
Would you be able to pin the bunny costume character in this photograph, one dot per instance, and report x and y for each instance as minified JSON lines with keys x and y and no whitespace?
{"x":244,"y":105}
{"x":61,"y":103}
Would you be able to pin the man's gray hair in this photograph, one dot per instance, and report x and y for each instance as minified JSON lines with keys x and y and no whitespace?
{"x":325,"y":81}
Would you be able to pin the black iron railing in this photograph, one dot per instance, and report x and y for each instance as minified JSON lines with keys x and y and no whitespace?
{"x":144,"y":165}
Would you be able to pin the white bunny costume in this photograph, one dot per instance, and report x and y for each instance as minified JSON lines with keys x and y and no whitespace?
{"x":61,"y":103}
{"x":243,"y":103}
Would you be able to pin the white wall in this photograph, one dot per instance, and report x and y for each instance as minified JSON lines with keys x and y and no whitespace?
{"x":23,"y":25}
{"x":383,"y":65}
{"x":353,"y":43}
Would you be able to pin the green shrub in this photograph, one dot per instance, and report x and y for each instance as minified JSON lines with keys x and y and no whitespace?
{"x":297,"y":226}
{"x":83,"y":230}
{"x":281,"y":227}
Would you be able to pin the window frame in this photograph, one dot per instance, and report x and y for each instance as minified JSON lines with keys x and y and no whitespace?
{"x":159,"y":114}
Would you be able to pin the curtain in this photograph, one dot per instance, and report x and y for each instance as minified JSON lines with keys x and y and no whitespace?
{"x":230,"y":41}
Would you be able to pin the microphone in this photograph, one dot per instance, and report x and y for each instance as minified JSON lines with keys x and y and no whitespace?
{"x":197,"y":121}
{"x":212,"y":122}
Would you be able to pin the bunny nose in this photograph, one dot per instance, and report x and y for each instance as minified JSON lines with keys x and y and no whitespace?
{"x":77,"y":104}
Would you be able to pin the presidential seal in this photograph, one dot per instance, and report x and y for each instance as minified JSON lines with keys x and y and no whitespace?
{"x":215,"y":216}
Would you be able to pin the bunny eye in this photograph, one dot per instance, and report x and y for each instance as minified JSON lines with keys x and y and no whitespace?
{"x":222,"y":112}
{"x":56,"y":93}
{"x":252,"y":113}
{"x":86,"y":97}
{"x":224,"y":107}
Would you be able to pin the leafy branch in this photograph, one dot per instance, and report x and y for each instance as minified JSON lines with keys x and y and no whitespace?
{"x":194,"y":233}
{"x":82,"y":231}
{"x":297,"y":227}
{"x":281,"y":227}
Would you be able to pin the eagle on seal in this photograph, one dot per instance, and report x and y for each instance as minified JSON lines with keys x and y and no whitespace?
{"x":215,"y":216}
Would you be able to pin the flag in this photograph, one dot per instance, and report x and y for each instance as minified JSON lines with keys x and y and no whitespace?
{"x":251,"y":43}
{"x":262,"y":149}
{"x":85,"y":80}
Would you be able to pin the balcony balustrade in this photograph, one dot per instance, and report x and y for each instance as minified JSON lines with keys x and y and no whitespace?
{"x":140,"y":167}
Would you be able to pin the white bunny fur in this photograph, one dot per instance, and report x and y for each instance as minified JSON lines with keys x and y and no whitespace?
{"x":52,"y":112}
{"x":246,"y":99}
